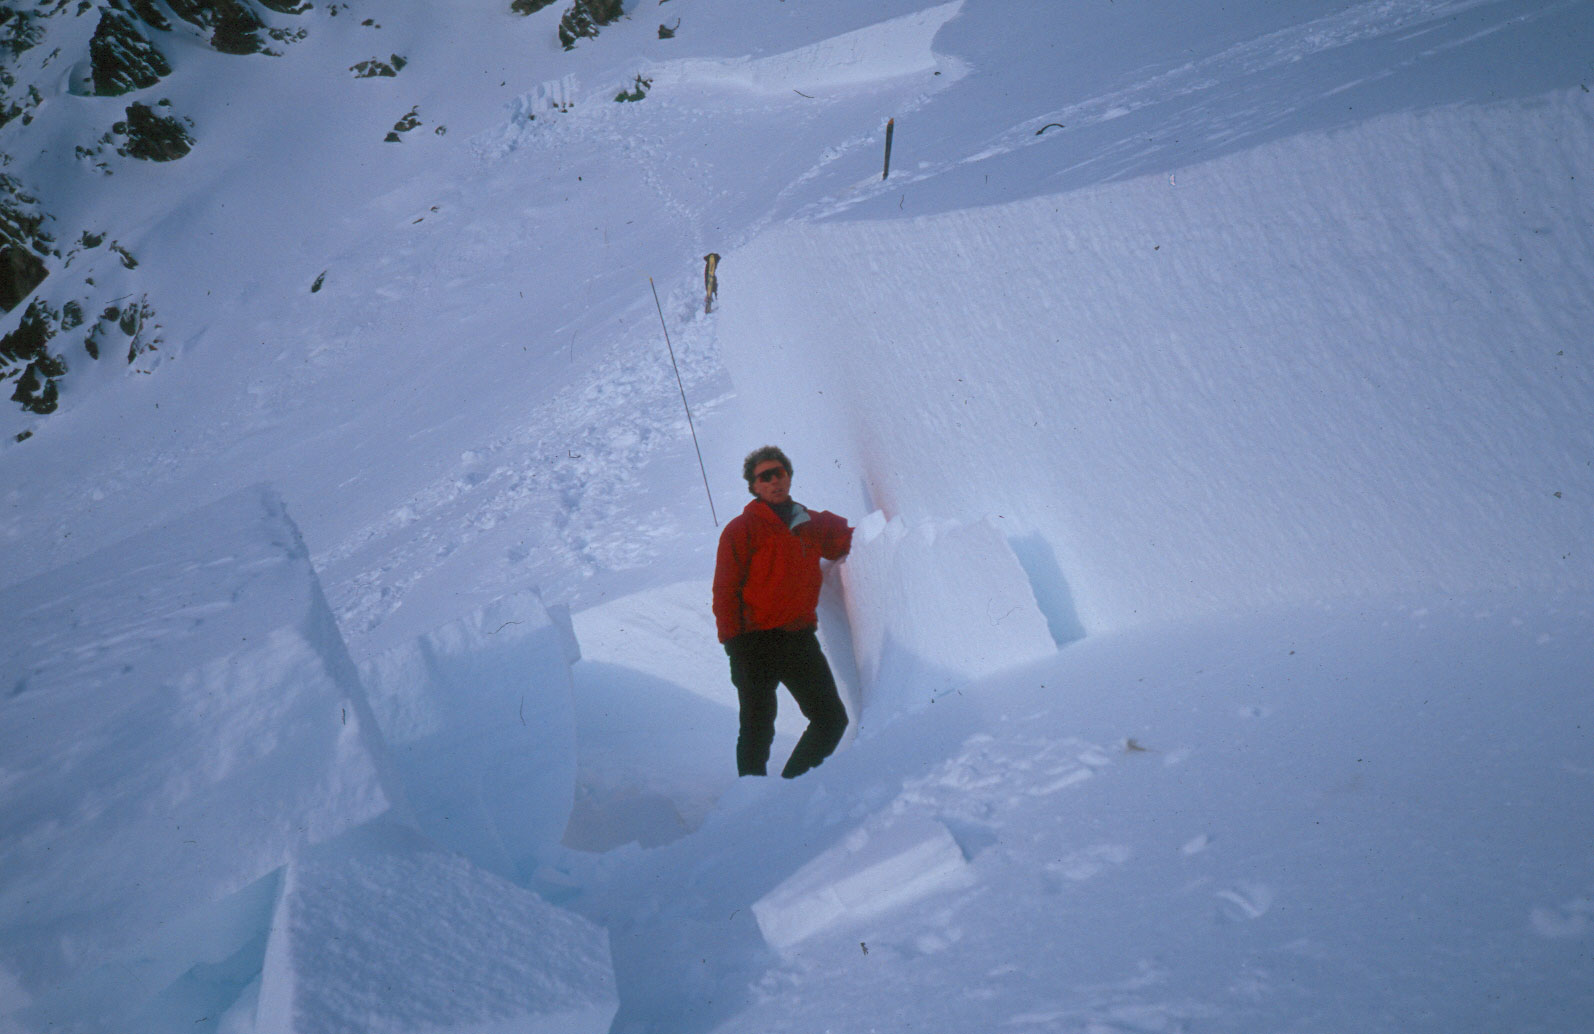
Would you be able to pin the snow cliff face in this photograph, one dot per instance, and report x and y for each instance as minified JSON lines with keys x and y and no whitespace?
{"x":1224,"y":402}
{"x":187,"y":730}
{"x":210,"y":732}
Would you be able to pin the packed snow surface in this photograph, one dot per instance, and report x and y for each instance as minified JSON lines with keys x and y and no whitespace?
{"x":1210,"y":383}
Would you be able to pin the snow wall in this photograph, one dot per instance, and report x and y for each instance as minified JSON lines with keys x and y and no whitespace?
{"x":480,"y":723}
{"x":201,"y":816}
{"x":1314,"y":369}
{"x":183,"y":719}
{"x":929,"y":608}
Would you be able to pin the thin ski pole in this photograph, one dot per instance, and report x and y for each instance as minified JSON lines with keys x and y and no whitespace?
{"x":682,"y":386}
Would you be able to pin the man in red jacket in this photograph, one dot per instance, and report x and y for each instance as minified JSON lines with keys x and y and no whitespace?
{"x":766,"y":598}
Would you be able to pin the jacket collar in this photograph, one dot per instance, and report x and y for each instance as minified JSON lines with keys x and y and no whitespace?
{"x":760,"y":510}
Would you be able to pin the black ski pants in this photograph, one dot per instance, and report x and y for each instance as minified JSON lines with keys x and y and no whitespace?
{"x":761,"y":661}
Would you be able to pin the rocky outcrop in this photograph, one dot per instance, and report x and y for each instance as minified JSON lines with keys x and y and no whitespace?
{"x":236,"y":26}
{"x":122,"y":58}
{"x":123,"y":327}
{"x":376,"y":67}
{"x":151,"y":136}
{"x":147,"y":11}
{"x":24,"y":244}
{"x":136,"y":322}
{"x":28,"y":347}
{"x":404,"y":125}
{"x":584,"y":18}
{"x":134,"y":46}
{"x":20,"y":31}
{"x":20,"y":272}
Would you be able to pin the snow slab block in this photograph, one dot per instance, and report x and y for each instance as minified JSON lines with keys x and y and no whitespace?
{"x":384,"y":932}
{"x":479,"y":720}
{"x":877,"y":868}
{"x":934,"y":605}
{"x":181,"y":717}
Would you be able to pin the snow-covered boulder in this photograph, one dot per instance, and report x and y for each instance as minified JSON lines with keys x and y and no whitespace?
{"x":180,"y":716}
{"x":480,"y":724}
{"x":934,"y":605}
{"x":383,"y":931}
{"x":879,"y":867}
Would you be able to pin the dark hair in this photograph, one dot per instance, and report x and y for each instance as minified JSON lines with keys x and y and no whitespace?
{"x":763,"y":454}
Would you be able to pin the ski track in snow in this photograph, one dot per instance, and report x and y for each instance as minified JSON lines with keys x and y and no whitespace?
{"x":560,"y":478}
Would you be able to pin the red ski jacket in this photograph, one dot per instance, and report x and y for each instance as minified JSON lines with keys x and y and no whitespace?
{"x":767,"y":575}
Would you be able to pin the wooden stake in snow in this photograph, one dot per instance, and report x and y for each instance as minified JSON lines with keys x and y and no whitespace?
{"x":684,"y":406}
{"x":891,"y":124}
{"x":711,"y":280}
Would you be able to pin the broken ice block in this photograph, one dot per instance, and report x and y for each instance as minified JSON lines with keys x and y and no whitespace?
{"x":382,"y":930}
{"x":871,"y":872}
{"x":181,"y":717}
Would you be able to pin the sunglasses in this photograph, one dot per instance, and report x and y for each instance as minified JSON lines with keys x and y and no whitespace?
{"x":771,"y":474}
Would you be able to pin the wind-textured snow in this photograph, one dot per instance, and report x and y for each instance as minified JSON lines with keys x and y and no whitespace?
{"x":1210,"y":383}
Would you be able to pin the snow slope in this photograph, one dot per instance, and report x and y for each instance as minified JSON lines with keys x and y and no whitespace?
{"x":1361,"y":817}
{"x":1236,"y":352}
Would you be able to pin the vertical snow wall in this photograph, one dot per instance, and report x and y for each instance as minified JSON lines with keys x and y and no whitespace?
{"x":183,"y":720}
{"x":1344,"y":363}
{"x":201,"y":814}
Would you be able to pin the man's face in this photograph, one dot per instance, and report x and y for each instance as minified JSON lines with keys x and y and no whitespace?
{"x":771,"y":483}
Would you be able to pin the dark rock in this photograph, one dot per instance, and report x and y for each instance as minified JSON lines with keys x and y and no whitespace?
{"x":152,"y":137}
{"x":24,"y":244}
{"x":147,"y":13}
{"x":36,"y":389}
{"x":404,"y":125}
{"x":584,"y":18}
{"x":19,"y":30}
{"x":122,"y":59}
{"x":195,"y":12}
{"x":529,"y":6}
{"x":35,"y":393}
{"x":20,"y":272}
{"x":638,"y":91}
{"x":237,"y":29}
{"x":234,"y":25}
{"x":31,"y":338}
{"x":137,"y":323}
{"x":375,"y":67}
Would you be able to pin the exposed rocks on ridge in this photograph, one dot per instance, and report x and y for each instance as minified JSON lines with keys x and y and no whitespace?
{"x":24,"y":244}
{"x":122,"y":58}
